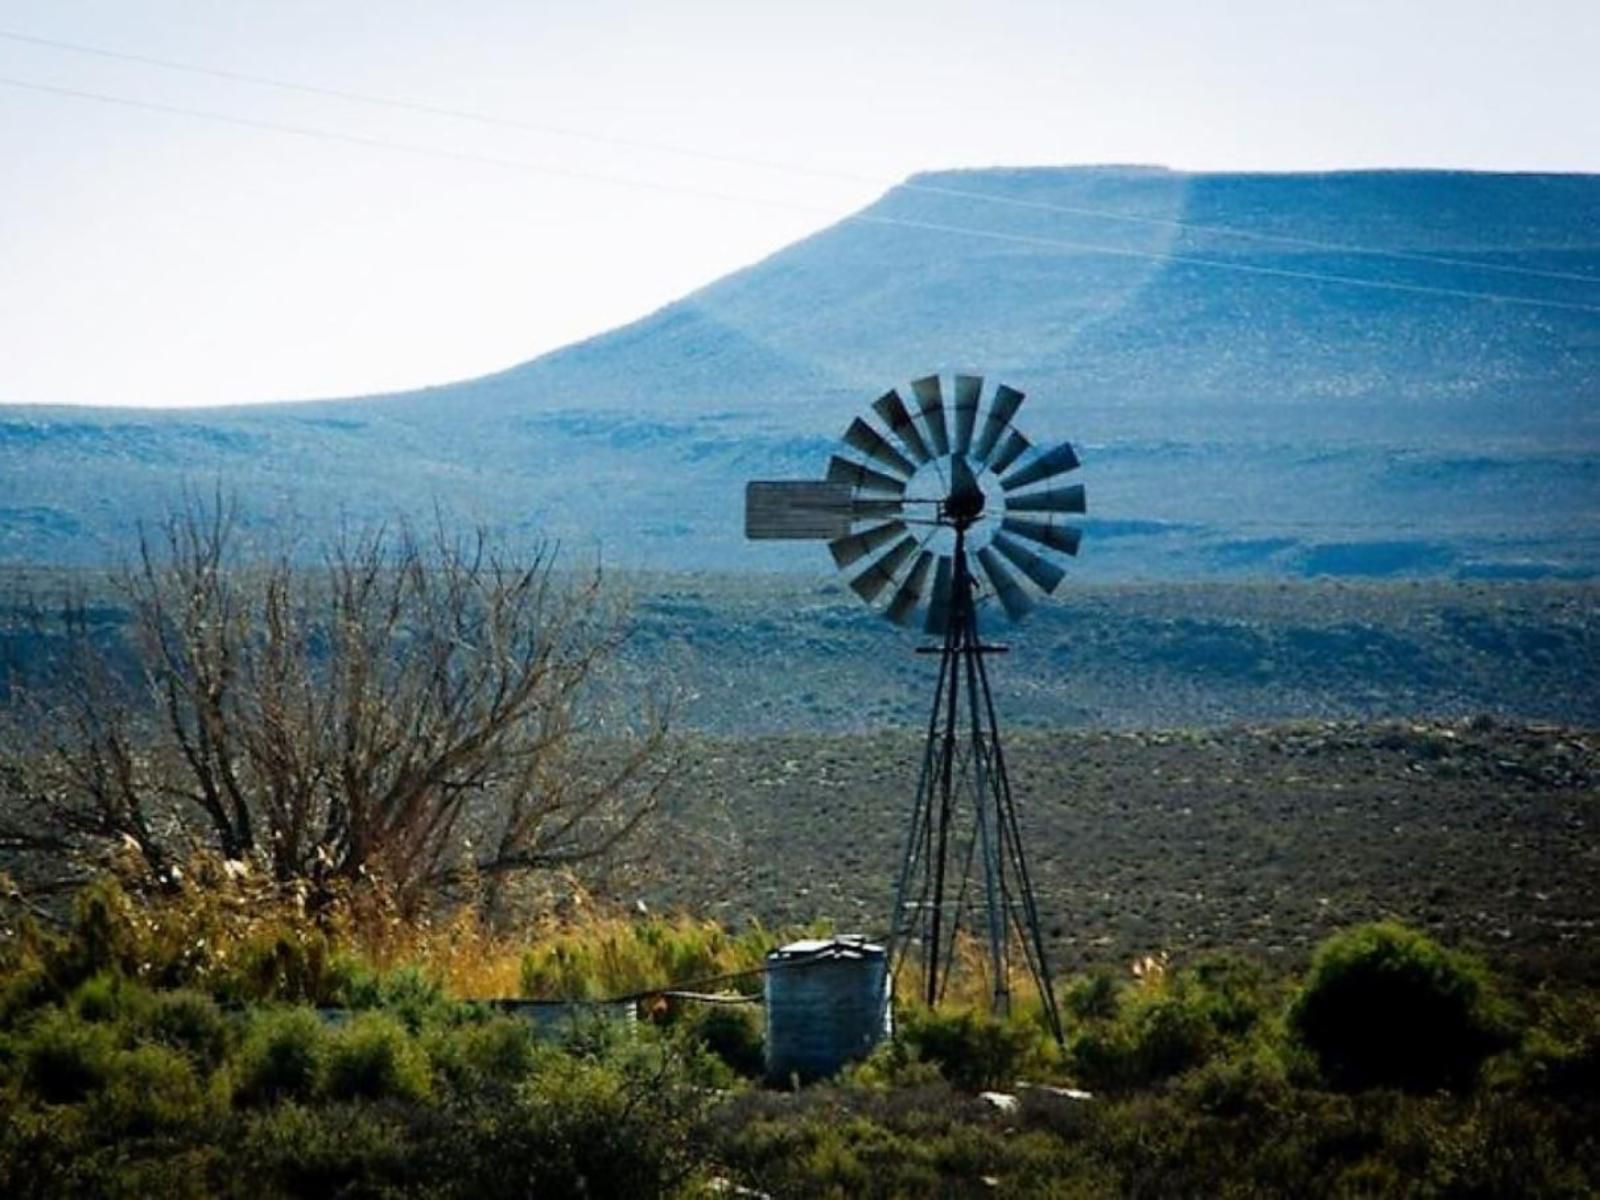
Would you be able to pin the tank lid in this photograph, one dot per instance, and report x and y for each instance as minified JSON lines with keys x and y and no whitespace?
{"x":844,"y":946}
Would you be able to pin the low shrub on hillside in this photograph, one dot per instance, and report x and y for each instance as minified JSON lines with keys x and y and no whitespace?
{"x":1386,"y":1006}
{"x":284,"y":1057}
{"x":1166,"y":1021}
{"x":735,"y":1034}
{"x":495,"y":1053}
{"x":192,"y":1023}
{"x":65,"y":1059}
{"x":973,"y":1051}
{"x":374,"y":1058}
{"x":152,"y":1090}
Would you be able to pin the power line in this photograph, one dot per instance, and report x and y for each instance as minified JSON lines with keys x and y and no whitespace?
{"x":1256,"y":236}
{"x":372,"y":143}
{"x":478,"y":117}
{"x":1221,"y":264}
{"x":862,"y":218}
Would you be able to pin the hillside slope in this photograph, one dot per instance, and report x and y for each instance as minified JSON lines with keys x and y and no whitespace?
{"x":1233,"y":418}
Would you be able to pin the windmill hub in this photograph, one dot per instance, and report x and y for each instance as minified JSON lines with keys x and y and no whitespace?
{"x":965,"y":503}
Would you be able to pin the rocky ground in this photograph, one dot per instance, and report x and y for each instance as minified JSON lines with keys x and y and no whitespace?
{"x":1262,"y":838}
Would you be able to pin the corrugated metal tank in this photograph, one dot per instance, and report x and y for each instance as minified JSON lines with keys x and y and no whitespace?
{"x":826,"y":1004}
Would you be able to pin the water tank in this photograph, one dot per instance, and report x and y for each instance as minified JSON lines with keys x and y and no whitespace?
{"x":826,"y":1004}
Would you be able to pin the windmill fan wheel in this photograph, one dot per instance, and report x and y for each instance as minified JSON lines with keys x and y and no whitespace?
{"x":928,"y":482}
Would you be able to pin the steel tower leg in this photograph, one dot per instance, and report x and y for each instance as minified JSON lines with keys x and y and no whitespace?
{"x":996,"y":833}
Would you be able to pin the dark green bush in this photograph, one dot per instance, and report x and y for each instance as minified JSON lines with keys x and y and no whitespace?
{"x":1170,"y":1023}
{"x":733,"y":1033}
{"x":102,"y":935}
{"x":1250,"y":1082}
{"x":293,"y":966}
{"x":631,"y":1125}
{"x":149,"y":1090}
{"x":1093,"y":997}
{"x":190,"y":1022}
{"x":374,"y":1058}
{"x":64,"y":1059}
{"x":498,"y":1051}
{"x":101,"y":998}
{"x":1160,"y":1035}
{"x":361,"y":1149}
{"x":29,"y":989}
{"x":973,"y":1051}
{"x":110,"y":998}
{"x":1386,"y":1006}
{"x":284,"y":1057}
{"x":1234,"y":992}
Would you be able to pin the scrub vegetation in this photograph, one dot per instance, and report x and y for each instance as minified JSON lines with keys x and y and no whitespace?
{"x":169,"y":1044}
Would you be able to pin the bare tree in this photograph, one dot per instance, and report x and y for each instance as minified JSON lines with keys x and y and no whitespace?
{"x":426,"y":710}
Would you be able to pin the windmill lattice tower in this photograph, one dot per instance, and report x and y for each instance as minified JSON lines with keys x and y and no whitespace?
{"x":910,"y":502}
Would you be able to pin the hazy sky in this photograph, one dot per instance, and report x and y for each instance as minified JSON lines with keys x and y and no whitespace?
{"x":156,"y":257}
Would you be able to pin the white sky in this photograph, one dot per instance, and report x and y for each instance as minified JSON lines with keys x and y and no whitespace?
{"x":148,"y":257}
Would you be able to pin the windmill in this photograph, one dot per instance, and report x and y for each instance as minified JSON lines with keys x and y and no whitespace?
{"x":934,"y":516}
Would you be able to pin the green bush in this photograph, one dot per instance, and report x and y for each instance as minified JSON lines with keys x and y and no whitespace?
{"x":1170,"y":1023}
{"x":1248,"y":1083}
{"x":28,"y":989}
{"x":190,"y":1022}
{"x":149,"y":1090}
{"x":292,"y":966}
{"x":1386,"y":1006}
{"x":293,"y":1149}
{"x":102,"y":937}
{"x":498,"y":1051}
{"x":1234,"y":992}
{"x":733,"y":1033}
{"x":973,"y":1051}
{"x":632,"y":1125}
{"x":284,"y":1057}
{"x":1160,"y":1035}
{"x":102,"y":999}
{"x":374,"y":1058}
{"x":1093,"y":997}
{"x":64,"y":1060}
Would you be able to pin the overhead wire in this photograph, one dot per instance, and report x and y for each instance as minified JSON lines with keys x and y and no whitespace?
{"x":1223,"y":264}
{"x":1077,"y":246}
{"x":492,"y":119}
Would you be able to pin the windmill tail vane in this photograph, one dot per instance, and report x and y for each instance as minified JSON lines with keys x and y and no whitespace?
{"x":928,"y":509}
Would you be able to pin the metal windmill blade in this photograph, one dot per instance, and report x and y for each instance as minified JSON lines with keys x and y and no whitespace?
{"x":1064,"y":538}
{"x":968,"y":390}
{"x":930,"y":399}
{"x":863,"y":437}
{"x":1043,"y":573}
{"x":938,"y":620}
{"x":849,"y":549}
{"x":880,"y":573}
{"x":1006,"y":402}
{"x":1011,"y":448}
{"x":1045,"y":466}
{"x":892,"y":412}
{"x":1013,"y":598}
{"x":903,"y":607}
{"x":1063,"y":499}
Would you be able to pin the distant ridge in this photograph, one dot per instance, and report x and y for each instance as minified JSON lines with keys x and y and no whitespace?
{"x":1233,"y":421}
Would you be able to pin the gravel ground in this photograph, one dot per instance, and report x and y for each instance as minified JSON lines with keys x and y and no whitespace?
{"x":1261,"y":838}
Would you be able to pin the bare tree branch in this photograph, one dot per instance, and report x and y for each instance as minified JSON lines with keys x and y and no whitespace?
{"x":412,"y":706}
